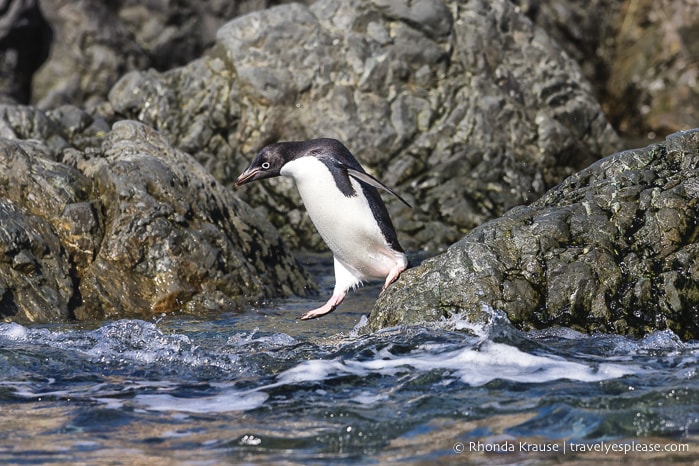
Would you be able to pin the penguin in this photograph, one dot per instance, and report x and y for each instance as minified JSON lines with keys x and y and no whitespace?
{"x":344,"y":204}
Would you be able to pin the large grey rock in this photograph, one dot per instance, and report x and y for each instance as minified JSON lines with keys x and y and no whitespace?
{"x":586,"y":30}
{"x":89,"y":53}
{"x":613,"y":249}
{"x":58,"y":129}
{"x":467,"y":109}
{"x":131,"y":227}
{"x":96,"y":42}
{"x":638,"y":55}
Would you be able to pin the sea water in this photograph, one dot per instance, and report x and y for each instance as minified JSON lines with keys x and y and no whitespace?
{"x":262,"y":387}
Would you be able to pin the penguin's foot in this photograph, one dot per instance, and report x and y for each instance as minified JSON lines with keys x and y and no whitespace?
{"x":326,"y":308}
{"x":319,"y":312}
{"x":393,"y":275}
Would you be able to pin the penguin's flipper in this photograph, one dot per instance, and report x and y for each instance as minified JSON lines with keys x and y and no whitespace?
{"x":371,"y":181}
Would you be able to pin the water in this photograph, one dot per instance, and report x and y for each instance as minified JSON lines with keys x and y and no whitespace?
{"x":264,"y":388}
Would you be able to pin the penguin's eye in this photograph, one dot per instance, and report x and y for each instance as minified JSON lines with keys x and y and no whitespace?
{"x":265,"y":165}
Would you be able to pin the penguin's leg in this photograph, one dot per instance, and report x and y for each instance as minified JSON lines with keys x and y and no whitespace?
{"x":344,"y":280}
{"x":394,"y":274}
{"x":326,"y":308}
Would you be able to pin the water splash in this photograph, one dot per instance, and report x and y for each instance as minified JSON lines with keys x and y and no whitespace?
{"x":454,"y":372}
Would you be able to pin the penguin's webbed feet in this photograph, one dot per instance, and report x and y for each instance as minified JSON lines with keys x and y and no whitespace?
{"x":320,"y":312}
{"x":393,"y":275}
{"x":326,"y":308}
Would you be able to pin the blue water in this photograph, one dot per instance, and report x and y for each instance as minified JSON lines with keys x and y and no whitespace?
{"x":261,"y":387}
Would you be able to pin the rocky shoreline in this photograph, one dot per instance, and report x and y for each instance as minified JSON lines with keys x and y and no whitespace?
{"x":120,"y":204}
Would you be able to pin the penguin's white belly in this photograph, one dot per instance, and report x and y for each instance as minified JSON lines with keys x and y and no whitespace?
{"x":346,"y":224}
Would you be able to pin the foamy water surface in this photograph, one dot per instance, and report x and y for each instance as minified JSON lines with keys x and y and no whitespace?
{"x":263,"y":387}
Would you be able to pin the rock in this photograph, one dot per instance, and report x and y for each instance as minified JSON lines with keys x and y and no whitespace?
{"x":654,"y":68}
{"x":58,"y":129}
{"x":613,"y":249}
{"x":587,"y":32}
{"x":641,"y":57}
{"x":36,"y":280}
{"x":638,"y":55}
{"x":89,"y":53}
{"x":130,"y":228}
{"x":121,"y":36}
{"x":466,"y":109}
{"x":206,"y":105}
{"x":173,"y":237}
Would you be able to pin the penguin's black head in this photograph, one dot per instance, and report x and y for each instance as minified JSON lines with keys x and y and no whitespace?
{"x":267,"y":164}
{"x":270,"y":160}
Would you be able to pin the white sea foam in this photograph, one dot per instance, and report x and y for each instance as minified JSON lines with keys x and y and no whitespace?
{"x":13,"y":331}
{"x":275,"y":340}
{"x":473,"y":366}
{"x":317,"y":370}
{"x":368,"y":398}
{"x":486,"y":353}
{"x":226,"y":401}
{"x":363,"y":322}
{"x":110,"y":403}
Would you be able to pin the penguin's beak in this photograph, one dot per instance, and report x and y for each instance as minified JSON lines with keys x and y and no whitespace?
{"x":246,"y":177}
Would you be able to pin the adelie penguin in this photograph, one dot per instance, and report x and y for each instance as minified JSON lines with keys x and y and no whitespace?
{"x":344,"y":205}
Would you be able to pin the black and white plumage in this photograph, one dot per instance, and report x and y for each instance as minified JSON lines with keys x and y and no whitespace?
{"x":344,"y":204}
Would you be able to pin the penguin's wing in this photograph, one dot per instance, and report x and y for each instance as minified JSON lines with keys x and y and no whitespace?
{"x":371,"y":181}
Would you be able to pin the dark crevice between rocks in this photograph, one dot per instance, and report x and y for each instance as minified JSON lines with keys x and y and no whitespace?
{"x":76,"y":299}
{"x":8,"y":308}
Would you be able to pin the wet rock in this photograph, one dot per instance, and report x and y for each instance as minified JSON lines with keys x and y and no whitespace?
{"x":467,"y":109}
{"x":130,"y":228}
{"x":173,"y":237}
{"x":36,"y":283}
{"x":613,"y":248}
